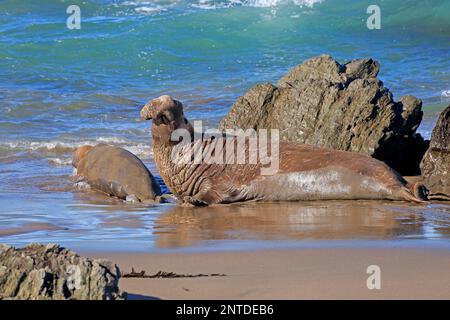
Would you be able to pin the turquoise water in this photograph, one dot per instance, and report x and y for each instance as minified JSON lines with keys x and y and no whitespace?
{"x":62,"y":88}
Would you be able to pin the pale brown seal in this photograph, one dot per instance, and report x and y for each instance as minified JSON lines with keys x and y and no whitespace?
{"x":305,"y":172}
{"x":116,"y":172}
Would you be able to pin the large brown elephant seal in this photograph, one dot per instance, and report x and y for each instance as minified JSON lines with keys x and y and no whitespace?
{"x":305,"y":172}
{"x":116,"y":172}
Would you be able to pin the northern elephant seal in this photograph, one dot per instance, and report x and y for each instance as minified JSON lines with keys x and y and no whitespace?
{"x":116,"y":172}
{"x":305,"y":172}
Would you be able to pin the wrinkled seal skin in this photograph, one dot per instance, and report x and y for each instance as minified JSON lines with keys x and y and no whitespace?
{"x":305,"y":172}
{"x":116,"y":172}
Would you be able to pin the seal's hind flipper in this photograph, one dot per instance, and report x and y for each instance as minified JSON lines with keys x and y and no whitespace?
{"x":416,"y":193}
{"x":420,"y":191}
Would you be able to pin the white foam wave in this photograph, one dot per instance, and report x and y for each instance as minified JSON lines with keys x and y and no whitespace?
{"x":111,"y":140}
{"x":147,"y":7}
{"x":445,"y":93}
{"x":141,"y":150}
{"x":60,"y":161}
{"x":214,"y":4}
{"x":149,"y":10}
{"x":58,"y":145}
{"x":60,"y":152}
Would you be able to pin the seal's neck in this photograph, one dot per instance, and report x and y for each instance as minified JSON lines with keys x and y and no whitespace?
{"x":164,"y":141}
{"x":170,"y":138}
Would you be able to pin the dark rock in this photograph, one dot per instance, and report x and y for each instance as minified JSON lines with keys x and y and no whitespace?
{"x":40,"y":272}
{"x":344,"y":107}
{"x":436,"y":162}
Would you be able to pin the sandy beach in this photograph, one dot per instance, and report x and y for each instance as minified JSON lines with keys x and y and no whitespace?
{"x":328,"y":273}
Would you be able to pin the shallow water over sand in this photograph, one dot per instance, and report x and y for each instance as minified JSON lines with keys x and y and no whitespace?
{"x":88,"y":220}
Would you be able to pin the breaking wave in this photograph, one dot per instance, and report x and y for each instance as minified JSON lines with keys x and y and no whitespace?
{"x":213,"y":4}
{"x":59,"y":153}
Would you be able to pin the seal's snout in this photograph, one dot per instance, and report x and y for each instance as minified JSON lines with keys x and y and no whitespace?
{"x":157,"y":105}
{"x":145,"y":112}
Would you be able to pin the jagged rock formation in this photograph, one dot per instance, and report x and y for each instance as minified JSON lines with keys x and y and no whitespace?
{"x":436,"y":162}
{"x":344,"y":107}
{"x":50,"y":272}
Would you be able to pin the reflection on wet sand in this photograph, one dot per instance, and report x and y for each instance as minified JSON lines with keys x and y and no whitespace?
{"x":29,"y":227}
{"x":182,"y":226}
{"x":114,"y":212}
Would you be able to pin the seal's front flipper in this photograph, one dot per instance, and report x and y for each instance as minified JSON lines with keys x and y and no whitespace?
{"x":193,"y":201}
{"x":81,"y":184}
{"x":131,"y":198}
{"x":166,"y":198}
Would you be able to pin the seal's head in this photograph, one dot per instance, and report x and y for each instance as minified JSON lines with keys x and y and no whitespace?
{"x":79,"y":154}
{"x":167,"y":115}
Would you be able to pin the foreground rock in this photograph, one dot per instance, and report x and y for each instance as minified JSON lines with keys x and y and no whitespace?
{"x":51,"y":272}
{"x":436,"y":162}
{"x":344,"y":107}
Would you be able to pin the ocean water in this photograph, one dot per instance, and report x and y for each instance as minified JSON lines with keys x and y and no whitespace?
{"x":62,"y":88}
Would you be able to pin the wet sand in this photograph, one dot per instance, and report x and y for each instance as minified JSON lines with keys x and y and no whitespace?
{"x":325,"y":273}
{"x":104,"y":224}
{"x":299,"y":221}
